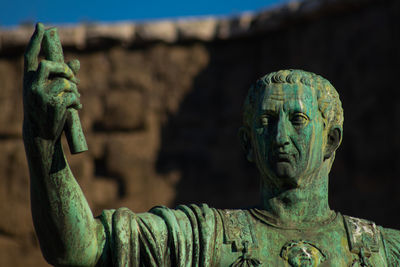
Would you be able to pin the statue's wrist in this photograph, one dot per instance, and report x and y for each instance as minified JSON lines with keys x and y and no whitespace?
{"x":31,"y":132}
{"x":34,"y":140}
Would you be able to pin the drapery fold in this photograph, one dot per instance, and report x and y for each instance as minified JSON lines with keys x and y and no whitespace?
{"x":185,"y":236}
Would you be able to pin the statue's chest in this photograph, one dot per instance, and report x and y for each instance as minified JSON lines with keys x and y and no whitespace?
{"x":248,"y":242}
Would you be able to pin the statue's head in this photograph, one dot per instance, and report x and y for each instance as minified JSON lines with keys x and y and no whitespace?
{"x":292,"y":126}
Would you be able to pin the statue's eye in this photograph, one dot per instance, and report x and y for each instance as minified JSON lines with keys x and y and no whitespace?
{"x":267,"y":119}
{"x":264,"y":120}
{"x":299,"y":119}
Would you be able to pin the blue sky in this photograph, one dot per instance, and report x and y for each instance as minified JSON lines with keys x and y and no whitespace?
{"x":15,"y":12}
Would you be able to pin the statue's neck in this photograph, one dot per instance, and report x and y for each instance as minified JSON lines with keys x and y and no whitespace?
{"x":304,"y":205}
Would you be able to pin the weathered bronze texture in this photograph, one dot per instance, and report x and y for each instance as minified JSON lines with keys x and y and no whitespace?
{"x":73,"y":129}
{"x":292,"y":127}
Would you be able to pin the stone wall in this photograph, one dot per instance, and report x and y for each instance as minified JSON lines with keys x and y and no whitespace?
{"x":162,"y":105}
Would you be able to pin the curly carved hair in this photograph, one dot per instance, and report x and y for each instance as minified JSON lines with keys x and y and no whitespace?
{"x":329,"y":103}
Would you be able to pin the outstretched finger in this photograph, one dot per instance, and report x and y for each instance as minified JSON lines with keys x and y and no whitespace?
{"x":31,"y":57}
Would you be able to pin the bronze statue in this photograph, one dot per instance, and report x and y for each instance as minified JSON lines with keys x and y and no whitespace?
{"x":292,"y":126}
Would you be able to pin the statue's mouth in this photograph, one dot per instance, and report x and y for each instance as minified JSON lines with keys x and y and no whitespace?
{"x":283,"y":157}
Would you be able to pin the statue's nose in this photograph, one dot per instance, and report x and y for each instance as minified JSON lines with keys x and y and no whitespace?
{"x":282,"y":136}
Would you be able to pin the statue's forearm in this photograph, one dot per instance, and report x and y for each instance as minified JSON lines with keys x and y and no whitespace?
{"x":67,"y":231}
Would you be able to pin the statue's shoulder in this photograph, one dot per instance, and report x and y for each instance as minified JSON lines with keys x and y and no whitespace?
{"x":365,"y":236}
{"x":389,"y":233}
{"x":200,"y":211}
{"x":238,"y":228}
{"x":362,"y":235}
{"x":237,"y":219}
{"x":391,"y":241}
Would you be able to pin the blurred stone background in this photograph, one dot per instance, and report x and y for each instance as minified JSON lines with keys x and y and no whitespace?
{"x":162,"y":105}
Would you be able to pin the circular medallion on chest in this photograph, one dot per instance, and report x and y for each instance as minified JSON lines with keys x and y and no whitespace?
{"x":302,"y":254}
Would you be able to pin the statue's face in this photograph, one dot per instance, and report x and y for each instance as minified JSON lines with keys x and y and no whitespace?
{"x":288,"y":134}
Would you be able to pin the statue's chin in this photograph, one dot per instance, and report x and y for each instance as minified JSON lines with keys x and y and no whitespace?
{"x":286,"y":175}
{"x":284,"y":170}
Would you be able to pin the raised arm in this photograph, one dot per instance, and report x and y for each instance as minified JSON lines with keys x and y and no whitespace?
{"x":67,"y":232}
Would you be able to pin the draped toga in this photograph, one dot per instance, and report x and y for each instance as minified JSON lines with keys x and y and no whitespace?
{"x":194,"y":236}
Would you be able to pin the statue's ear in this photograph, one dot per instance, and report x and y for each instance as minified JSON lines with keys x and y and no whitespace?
{"x":333,"y":141}
{"x":245,"y":141}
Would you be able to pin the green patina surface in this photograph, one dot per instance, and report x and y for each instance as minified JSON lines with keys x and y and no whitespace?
{"x":292,"y":127}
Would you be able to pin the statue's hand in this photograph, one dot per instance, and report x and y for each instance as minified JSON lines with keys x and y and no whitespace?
{"x":49,"y":89}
